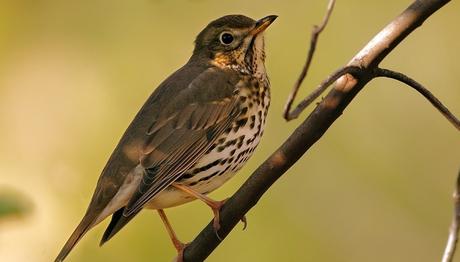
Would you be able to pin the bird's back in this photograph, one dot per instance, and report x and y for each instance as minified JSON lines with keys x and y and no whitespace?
{"x":127,"y":154}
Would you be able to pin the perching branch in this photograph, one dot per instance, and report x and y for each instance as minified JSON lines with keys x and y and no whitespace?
{"x":454,"y":227}
{"x":316,"y":124}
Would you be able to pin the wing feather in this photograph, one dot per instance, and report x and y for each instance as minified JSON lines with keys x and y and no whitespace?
{"x":176,"y":143}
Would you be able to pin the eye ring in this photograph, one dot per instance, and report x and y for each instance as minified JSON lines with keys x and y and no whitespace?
{"x":226,"y":38}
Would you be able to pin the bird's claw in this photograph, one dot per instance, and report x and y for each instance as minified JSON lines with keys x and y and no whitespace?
{"x":244,"y":221}
{"x":216,"y":207}
{"x":180,"y":247}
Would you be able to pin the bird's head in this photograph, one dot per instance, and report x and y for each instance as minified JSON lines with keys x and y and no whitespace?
{"x":234,"y":41}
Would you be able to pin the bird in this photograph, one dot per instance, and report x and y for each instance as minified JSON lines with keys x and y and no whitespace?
{"x":194,"y":132}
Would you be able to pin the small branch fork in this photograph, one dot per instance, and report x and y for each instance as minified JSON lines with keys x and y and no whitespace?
{"x":355,"y":71}
{"x":349,"y":80}
{"x":314,"y":39}
{"x":454,"y":227}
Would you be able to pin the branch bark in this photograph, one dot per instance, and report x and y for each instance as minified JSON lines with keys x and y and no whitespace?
{"x":316,"y":124}
{"x":454,"y":227}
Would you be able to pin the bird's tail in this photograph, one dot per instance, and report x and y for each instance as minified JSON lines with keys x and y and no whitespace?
{"x":118,"y":222}
{"x":85,"y":224}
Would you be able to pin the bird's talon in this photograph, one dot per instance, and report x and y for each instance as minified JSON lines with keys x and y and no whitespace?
{"x":216,"y":223}
{"x":217,"y":235}
{"x":180,"y":251}
{"x":217,"y":205}
{"x":244,"y":221}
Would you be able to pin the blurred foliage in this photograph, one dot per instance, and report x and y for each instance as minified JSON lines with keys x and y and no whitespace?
{"x":376,"y":187}
{"x":12,"y":204}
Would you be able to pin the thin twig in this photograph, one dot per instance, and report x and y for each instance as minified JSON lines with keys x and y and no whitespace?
{"x":454,"y":227}
{"x":379,"y":72}
{"x":288,"y":115}
{"x":313,"y":128}
{"x":353,"y":70}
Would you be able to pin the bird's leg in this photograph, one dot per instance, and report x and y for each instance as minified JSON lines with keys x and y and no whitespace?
{"x":176,"y":242}
{"x":213,"y":204}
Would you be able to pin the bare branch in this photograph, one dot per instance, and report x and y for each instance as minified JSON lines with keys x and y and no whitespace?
{"x":454,"y":227}
{"x":311,"y":130}
{"x":379,"y":72}
{"x":313,"y":41}
{"x":353,"y":70}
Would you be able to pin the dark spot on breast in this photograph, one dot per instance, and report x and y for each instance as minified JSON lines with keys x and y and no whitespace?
{"x":242,"y":153}
{"x":240,"y":141}
{"x":208,"y":166}
{"x":253,"y":122}
{"x":225,"y":170}
{"x":186,"y":176}
{"x":211,"y":148}
{"x":231,"y":142}
{"x":208,"y":177}
{"x":238,"y":157}
{"x":196,"y":170}
{"x":242,"y":122}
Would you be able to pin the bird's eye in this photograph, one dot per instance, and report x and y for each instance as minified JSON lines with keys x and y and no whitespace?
{"x":226,"y":38}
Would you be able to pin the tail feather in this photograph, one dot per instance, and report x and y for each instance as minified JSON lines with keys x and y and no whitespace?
{"x":78,"y":233}
{"x":118,"y":222}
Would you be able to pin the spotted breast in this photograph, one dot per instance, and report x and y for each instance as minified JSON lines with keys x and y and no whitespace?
{"x":234,"y":147}
{"x":230,"y":151}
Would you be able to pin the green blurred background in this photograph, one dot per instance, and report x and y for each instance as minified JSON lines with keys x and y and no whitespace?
{"x":376,"y":187}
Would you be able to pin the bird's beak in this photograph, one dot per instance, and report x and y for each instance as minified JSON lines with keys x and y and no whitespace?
{"x":262,"y":24}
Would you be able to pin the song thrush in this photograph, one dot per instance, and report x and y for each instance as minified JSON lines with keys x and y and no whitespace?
{"x":196,"y":130}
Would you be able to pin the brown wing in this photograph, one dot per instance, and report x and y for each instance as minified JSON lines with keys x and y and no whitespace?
{"x":194,"y":139}
{"x":176,"y":125}
{"x":178,"y":138}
